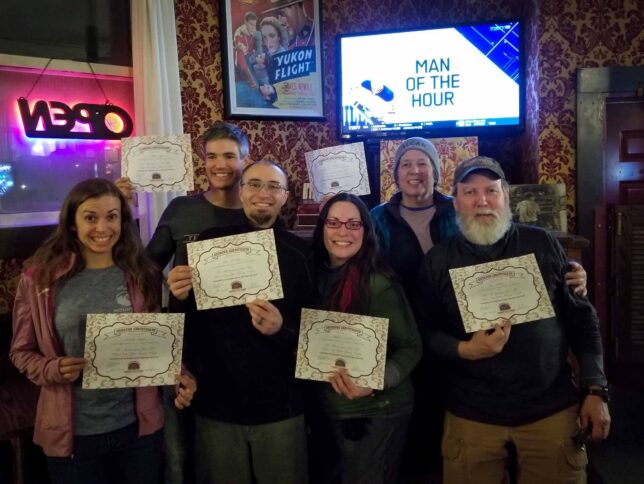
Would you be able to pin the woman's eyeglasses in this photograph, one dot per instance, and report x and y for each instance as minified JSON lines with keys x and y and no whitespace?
{"x":334,"y":223}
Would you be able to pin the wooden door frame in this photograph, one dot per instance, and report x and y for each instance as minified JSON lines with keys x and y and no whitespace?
{"x":594,"y":86}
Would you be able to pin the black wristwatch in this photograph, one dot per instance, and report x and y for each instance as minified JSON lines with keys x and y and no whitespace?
{"x":598,"y":392}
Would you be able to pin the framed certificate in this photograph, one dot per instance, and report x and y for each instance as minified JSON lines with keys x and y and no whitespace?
{"x":331,"y":340}
{"x":506,"y":289}
{"x":338,"y":169}
{"x":232,"y":270}
{"x":132,"y":349}
{"x":158,"y":163}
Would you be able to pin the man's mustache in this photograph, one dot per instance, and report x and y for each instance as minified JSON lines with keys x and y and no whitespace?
{"x":486,"y":212}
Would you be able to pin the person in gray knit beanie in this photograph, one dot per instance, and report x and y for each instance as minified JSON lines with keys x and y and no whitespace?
{"x":420,"y":144}
{"x":415,"y":219}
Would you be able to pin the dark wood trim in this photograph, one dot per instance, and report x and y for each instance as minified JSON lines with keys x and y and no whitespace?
{"x":594,"y":86}
{"x":22,"y":242}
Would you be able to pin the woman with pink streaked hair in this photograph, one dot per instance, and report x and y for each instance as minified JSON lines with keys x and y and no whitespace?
{"x":358,"y":433}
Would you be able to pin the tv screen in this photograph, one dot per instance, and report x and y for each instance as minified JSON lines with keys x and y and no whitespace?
{"x":465,"y":79}
{"x":6,"y":178}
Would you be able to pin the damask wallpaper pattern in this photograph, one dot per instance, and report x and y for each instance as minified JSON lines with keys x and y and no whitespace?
{"x":561,"y":36}
{"x":573,"y":35}
{"x":285,"y":141}
{"x":10,"y":270}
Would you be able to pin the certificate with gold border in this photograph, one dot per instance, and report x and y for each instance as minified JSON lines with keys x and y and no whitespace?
{"x":158,"y":163}
{"x":338,"y":169}
{"x":505,"y":289}
{"x":132,"y":349}
{"x":330,"y":340}
{"x":233,"y":270}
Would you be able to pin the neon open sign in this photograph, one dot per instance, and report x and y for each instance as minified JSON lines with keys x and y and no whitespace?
{"x":55,"y":119}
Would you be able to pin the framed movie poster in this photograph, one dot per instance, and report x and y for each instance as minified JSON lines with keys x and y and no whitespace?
{"x":271,"y":54}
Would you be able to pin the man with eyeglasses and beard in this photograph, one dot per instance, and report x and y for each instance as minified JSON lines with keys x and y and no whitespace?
{"x":511,"y":386}
{"x":249,"y":423}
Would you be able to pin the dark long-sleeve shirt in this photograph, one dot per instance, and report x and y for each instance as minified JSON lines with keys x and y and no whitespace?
{"x":531,"y":378}
{"x":246,"y":377}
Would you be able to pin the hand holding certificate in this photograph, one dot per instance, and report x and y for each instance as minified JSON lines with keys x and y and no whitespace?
{"x":234,"y":270}
{"x":511,"y":289}
{"x":330,"y":341}
{"x":132,"y":349}
{"x":338,"y":169}
{"x":158,"y":163}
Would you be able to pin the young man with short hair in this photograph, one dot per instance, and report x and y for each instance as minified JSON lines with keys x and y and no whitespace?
{"x":226,"y":150}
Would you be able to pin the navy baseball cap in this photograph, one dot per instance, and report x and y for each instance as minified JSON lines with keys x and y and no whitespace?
{"x":478,"y":163}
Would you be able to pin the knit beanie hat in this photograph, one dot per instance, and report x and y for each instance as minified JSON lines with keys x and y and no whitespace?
{"x":420,"y":144}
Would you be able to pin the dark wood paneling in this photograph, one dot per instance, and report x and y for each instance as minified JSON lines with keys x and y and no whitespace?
{"x":631,"y":147}
{"x":22,"y":242}
{"x":626,"y":297}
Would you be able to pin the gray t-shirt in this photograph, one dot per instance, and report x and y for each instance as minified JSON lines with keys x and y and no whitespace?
{"x":182,"y":221}
{"x":93,"y":291}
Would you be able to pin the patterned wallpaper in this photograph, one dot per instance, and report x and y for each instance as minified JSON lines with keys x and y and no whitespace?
{"x":200,"y":65}
{"x":10,"y":270}
{"x":573,"y":35}
{"x":285,"y":141}
{"x":561,"y":36}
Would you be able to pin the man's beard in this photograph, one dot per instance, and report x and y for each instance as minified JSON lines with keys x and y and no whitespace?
{"x":261,"y":219}
{"x":488,"y":232}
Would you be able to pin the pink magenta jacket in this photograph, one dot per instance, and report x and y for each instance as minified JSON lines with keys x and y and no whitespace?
{"x":35,"y":351}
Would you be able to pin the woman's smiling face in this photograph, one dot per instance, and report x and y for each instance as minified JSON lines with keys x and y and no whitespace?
{"x":342,"y":243}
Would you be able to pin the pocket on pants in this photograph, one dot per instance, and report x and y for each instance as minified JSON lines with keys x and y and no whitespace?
{"x":354,"y":429}
{"x":452,"y":448}
{"x":574,"y":457}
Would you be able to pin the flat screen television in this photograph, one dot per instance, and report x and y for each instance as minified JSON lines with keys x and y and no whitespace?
{"x":6,"y":178}
{"x":440,"y":81}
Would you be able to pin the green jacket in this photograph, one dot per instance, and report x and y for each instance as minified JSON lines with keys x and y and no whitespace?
{"x":404,"y":348}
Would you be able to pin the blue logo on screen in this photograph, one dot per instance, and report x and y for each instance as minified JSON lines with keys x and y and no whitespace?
{"x":498,"y":42}
{"x":6,"y":178}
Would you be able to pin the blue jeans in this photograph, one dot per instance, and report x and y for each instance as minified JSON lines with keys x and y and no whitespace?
{"x":117,"y":457}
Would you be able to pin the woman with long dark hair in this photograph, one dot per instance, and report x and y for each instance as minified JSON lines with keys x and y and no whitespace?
{"x":93,"y":263}
{"x":358,"y":433}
